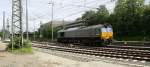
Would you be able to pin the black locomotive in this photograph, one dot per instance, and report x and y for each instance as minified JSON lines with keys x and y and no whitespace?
{"x":95,"y":34}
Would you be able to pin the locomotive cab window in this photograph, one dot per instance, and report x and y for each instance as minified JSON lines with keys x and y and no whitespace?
{"x":109,"y":29}
{"x":104,"y":30}
{"x":62,"y":34}
{"x":98,"y":31}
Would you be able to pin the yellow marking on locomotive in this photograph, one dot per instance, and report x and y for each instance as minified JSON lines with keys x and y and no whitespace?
{"x":107,"y":35}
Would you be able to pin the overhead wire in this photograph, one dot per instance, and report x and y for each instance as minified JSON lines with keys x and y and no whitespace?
{"x":88,"y":7}
{"x":77,"y":6}
{"x":70,"y":5}
{"x":72,"y":14}
{"x":69,"y":15}
{"x":81,"y":11}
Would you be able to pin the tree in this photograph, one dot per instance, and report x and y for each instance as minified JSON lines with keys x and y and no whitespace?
{"x":120,"y":8}
{"x":102,"y":14}
{"x":96,"y":17}
{"x":46,"y":29}
{"x":89,"y":17}
{"x":1,"y":34}
{"x":126,"y":14}
{"x":130,"y":18}
{"x":146,"y":20}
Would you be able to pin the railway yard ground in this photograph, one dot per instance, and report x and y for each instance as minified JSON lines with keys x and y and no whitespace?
{"x":52,"y":58}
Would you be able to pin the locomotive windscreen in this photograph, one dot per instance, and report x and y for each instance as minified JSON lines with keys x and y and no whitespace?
{"x":107,"y":29}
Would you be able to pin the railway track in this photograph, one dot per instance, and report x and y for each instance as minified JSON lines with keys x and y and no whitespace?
{"x":135,"y":53}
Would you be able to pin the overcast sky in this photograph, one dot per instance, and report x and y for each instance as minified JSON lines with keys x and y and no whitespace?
{"x":40,"y":10}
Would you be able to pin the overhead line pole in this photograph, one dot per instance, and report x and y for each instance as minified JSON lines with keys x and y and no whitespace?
{"x":3,"y":26}
{"x":52,"y":21}
{"x":41,"y":35}
{"x":27,"y":21}
{"x":34,"y":32}
{"x":52,"y":17}
{"x":84,"y":3}
{"x":8,"y":27}
{"x":85,"y":9}
{"x":17,"y":20}
{"x":12,"y":27}
{"x":21,"y":25}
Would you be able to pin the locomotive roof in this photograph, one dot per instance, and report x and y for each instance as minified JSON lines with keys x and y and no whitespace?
{"x":94,"y":26}
{"x":70,"y":29}
{"x":76,"y":28}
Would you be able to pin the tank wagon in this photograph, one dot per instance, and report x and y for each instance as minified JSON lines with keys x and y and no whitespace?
{"x":91,"y":35}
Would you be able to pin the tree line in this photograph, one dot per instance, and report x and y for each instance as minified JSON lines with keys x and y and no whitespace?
{"x":130,"y":20}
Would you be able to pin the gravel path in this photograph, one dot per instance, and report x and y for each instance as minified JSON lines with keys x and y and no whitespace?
{"x":50,"y":58}
{"x":56,"y":61}
{"x":95,"y":61}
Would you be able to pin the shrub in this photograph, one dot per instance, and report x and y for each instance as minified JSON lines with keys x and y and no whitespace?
{"x":17,"y":47}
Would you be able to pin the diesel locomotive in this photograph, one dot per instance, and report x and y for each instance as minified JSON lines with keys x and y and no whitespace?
{"x":91,"y":35}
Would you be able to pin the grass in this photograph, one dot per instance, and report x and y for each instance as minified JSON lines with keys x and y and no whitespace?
{"x":22,"y":51}
{"x":26,"y":48}
{"x":133,"y":38}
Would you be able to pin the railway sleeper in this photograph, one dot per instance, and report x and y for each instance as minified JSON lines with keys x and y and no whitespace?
{"x":126,"y":57}
{"x":88,"y":52}
{"x":114,"y":53}
{"x":102,"y":54}
{"x":122,"y":49}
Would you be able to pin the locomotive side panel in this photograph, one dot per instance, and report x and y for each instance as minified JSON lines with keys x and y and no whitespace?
{"x":86,"y":35}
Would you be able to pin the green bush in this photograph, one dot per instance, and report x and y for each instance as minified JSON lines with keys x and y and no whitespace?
{"x":17,"y":47}
{"x":0,"y":34}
